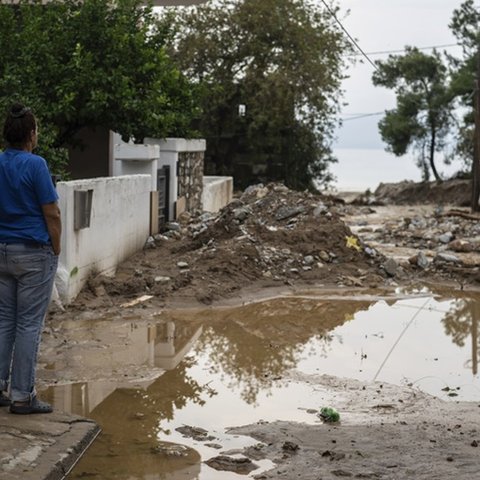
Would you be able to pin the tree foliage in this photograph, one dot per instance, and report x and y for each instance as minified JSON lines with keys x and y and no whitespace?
{"x":282,"y":60}
{"x":92,"y":63}
{"x":423,"y":114}
{"x":465,"y":25}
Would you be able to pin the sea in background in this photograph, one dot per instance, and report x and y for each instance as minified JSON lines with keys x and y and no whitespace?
{"x":359,"y":169}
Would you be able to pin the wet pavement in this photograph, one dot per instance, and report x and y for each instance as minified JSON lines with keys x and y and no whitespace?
{"x":143,"y":378}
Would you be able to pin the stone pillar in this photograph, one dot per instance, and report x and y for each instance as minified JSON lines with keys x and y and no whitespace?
{"x":186,"y":161}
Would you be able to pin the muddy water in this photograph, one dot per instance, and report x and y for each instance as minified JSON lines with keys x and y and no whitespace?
{"x":141,"y":379}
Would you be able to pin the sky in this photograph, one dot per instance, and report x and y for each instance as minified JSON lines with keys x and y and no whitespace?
{"x":378,"y":26}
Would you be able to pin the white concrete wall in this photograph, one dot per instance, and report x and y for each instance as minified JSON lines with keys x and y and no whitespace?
{"x":119,"y":227}
{"x":135,"y":159}
{"x":217,"y":192}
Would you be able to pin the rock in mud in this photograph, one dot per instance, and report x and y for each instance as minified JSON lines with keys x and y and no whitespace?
{"x":161,"y":279}
{"x":197,"y":433}
{"x":150,"y":243}
{"x":170,"y":450}
{"x":242,"y":213}
{"x":324,"y":256}
{"x":288,"y":212}
{"x":420,"y":260}
{"x":242,"y":466}
{"x":390,"y":267}
{"x":290,"y":447}
{"x":308,"y":260}
{"x":446,"y":237}
{"x":216,"y":446}
{"x":445,"y":257}
{"x":461,"y":246}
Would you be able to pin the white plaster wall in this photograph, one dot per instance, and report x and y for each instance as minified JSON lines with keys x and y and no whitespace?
{"x":217,"y":192}
{"x":179,"y":144}
{"x":135,"y":159}
{"x":119,"y":227}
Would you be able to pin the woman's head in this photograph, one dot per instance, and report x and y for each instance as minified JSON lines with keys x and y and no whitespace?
{"x":20,"y":128}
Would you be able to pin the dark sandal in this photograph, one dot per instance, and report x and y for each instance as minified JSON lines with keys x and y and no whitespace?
{"x":34,"y":406}
{"x":4,"y":400}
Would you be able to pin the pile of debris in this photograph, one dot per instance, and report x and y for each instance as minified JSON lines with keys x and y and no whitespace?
{"x":270,"y":235}
{"x":433,"y":239}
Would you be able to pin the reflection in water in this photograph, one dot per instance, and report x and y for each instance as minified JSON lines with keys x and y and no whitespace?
{"x":256,"y":344}
{"x":222,"y":367}
{"x":111,"y":356}
{"x":128,"y":446}
{"x":462,"y":321}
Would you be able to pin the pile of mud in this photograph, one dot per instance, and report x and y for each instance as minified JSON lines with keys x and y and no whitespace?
{"x":268,"y":236}
{"x":452,"y":192}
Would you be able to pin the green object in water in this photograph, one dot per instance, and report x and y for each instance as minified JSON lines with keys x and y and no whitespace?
{"x":329,"y":414}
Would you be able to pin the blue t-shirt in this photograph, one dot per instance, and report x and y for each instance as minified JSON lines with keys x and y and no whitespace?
{"x":25,"y":185}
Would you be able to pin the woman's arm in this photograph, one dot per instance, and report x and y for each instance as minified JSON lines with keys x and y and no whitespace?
{"x":51,"y":213}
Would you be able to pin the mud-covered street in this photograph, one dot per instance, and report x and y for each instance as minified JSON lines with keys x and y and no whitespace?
{"x":218,"y":392}
{"x":211,"y":352}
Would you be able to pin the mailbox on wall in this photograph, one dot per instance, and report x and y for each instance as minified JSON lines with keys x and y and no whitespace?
{"x":82,"y":208}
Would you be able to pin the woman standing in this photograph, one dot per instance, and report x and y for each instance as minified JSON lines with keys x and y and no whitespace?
{"x":30,"y":230}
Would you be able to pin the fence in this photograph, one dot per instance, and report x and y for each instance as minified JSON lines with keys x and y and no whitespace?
{"x":105,"y":221}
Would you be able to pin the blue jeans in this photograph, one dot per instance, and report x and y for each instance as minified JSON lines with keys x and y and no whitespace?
{"x":27,"y":273}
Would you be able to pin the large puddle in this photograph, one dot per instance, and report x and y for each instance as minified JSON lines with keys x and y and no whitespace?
{"x":142,"y":379}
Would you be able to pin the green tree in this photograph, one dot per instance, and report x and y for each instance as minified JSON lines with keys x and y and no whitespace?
{"x":465,"y":25}
{"x":280,"y":59}
{"x":92,"y":63}
{"x":423,"y":115}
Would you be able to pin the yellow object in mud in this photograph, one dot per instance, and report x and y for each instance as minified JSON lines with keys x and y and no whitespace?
{"x":352,"y":242}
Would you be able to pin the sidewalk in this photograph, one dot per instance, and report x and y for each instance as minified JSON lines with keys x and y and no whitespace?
{"x":42,"y":447}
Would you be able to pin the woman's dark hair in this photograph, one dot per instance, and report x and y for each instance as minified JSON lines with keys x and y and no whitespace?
{"x":19,"y":124}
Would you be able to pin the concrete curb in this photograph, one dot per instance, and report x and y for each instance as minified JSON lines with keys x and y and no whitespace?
{"x":42,"y":447}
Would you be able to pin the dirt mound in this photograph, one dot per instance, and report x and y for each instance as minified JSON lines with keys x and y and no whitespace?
{"x":268,"y":236}
{"x":452,"y":192}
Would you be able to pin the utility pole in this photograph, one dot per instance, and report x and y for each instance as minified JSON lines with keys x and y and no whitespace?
{"x":476,"y":146}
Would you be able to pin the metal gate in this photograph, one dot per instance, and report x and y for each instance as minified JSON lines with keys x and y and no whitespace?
{"x":163,"y":181}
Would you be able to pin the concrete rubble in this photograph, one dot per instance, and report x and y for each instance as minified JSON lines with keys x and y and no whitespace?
{"x":421,"y":240}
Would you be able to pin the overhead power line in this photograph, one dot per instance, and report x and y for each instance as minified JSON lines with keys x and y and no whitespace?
{"x":363,"y":115}
{"x":332,"y":13}
{"x":403,"y":50}
{"x":383,"y":52}
{"x":400,"y":337}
